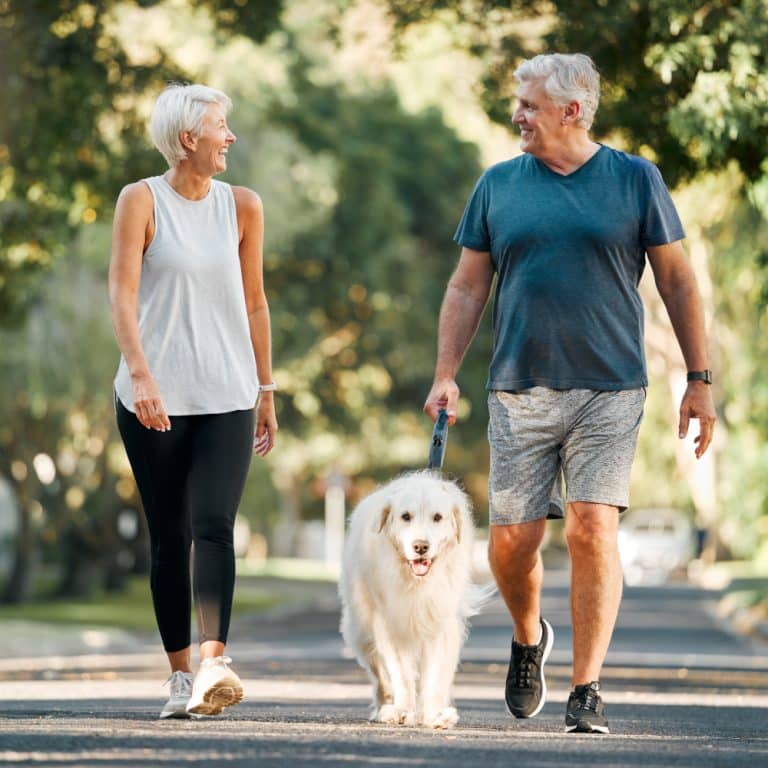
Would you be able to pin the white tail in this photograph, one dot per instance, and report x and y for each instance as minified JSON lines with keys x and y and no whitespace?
{"x":476,"y":597}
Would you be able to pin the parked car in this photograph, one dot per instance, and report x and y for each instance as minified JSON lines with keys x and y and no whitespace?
{"x":653,"y":543}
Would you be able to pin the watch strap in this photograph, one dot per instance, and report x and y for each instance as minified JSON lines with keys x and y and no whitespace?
{"x":705,"y":376}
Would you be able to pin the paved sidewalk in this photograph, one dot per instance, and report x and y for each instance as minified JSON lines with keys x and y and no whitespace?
{"x":58,"y":642}
{"x":680,"y":691}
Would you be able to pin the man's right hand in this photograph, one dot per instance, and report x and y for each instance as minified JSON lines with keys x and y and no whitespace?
{"x":444,"y":394}
{"x":148,"y":404}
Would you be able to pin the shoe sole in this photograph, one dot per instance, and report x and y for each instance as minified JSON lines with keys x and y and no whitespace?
{"x":223,"y":693}
{"x":544,"y":657}
{"x":586,"y":729}
{"x":176,"y":715}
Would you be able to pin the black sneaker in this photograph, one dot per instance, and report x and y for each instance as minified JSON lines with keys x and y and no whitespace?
{"x":586,"y":711}
{"x":526,"y":688}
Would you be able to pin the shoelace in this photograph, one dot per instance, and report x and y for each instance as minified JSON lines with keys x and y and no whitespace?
{"x":526,"y":667}
{"x":181,"y":684}
{"x":588,"y":699}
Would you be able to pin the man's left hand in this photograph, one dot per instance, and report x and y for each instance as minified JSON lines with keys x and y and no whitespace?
{"x":697,"y":404}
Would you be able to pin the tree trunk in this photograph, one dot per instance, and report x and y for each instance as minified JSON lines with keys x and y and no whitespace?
{"x":19,"y":585}
{"x":285,"y":537}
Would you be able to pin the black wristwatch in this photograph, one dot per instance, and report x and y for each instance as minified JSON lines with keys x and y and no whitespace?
{"x":705,"y":376}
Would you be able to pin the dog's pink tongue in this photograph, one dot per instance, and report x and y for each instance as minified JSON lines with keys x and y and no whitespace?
{"x":420,"y":567}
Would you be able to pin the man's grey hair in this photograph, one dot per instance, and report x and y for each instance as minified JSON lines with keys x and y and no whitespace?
{"x":181,"y":108}
{"x":566,"y":77}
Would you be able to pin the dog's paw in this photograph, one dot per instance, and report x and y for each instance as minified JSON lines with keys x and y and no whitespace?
{"x":392,"y":715}
{"x":443,"y":718}
{"x":410,"y":718}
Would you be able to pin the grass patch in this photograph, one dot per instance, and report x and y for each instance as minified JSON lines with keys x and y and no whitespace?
{"x":291,"y":568}
{"x":130,"y":609}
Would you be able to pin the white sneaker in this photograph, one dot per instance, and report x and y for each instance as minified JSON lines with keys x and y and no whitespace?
{"x":181,"y":690}
{"x":216,"y":686}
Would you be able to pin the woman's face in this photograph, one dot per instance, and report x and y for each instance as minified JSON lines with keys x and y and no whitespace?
{"x":539,"y":120}
{"x":209,"y":155}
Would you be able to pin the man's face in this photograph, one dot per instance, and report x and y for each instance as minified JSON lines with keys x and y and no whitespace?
{"x":539,"y":120}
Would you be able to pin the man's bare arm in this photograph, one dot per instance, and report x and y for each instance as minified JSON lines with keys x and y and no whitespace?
{"x":677,"y":288}
{"x":463,"y":304}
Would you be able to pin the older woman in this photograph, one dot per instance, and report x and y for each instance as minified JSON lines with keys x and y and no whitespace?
{"x":566,"y":227}
{"x":192,"y":323}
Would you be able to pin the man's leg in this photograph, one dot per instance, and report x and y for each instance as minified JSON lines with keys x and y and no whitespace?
{"x":597,"y":462}
{"x":524,"y":434}
{"x":513,"y":552}
{"x":516,"y":564}
{"x":596,"y":584}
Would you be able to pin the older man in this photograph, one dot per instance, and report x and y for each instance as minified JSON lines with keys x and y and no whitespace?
{"x":566,"y":228}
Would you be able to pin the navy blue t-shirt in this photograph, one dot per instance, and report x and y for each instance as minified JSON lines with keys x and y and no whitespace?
{"x":569,"y":252}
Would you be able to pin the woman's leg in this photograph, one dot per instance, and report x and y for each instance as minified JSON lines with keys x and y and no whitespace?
{"x":222,"y":446}
{"x":221,"y":453}
{"x":160,"y":463}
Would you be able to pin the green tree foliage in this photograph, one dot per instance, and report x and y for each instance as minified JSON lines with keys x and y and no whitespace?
{"x":57,"y":443}
{"x":684,"y":83}
{"x":737,"y":235}
{"x":379,"y":263}
{"x":70,"y":101}
{"x":356,"y":286}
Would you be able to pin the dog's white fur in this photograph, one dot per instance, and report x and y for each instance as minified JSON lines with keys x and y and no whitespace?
{"x":405,"y":629}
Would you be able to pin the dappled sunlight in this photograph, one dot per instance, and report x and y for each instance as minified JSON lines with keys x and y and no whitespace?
{"x":45,"y":468}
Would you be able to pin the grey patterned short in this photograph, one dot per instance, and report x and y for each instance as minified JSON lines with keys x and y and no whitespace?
{"x":540,"y":437}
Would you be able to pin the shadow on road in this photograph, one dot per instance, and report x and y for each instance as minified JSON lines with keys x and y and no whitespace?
{"x":311,"y":733}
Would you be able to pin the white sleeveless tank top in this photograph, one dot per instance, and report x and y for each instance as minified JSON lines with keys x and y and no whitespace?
{"x":192,"y":317}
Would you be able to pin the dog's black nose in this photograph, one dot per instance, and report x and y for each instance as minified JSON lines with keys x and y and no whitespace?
{"x":420,"y":546}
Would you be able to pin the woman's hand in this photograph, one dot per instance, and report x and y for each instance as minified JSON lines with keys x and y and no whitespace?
{"x":148,"y":403}
{"x":266,"y":424}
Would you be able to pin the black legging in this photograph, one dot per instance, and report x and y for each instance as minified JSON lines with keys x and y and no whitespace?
{"x":190,"y":480}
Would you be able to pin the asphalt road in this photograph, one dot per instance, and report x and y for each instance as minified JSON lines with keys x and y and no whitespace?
{"x":681,"y":690}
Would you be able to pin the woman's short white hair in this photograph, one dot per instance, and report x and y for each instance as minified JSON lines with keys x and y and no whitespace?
{"x":566,"y":77}
{"x":181,"y":108}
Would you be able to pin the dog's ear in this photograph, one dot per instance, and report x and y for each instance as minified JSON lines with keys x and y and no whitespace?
{"x":461,"y":507}
{"x":458,"y":522}
{"x":383,"y":515}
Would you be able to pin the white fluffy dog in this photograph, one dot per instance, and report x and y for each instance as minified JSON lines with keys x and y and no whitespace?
{"x":406,"y":593}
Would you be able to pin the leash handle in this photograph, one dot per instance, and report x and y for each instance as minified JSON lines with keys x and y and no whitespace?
{"x":439,"y":439}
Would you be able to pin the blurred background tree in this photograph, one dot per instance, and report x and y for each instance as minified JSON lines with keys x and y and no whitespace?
{"x":363,"y":125}
{"x":683,"y":82}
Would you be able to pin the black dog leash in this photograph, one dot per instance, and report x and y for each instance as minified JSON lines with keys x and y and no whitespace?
{"x":439,"y":439}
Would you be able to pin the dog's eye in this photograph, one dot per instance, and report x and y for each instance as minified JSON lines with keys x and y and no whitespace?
{"x":406,"y":516}
{"x":438,"y":517}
